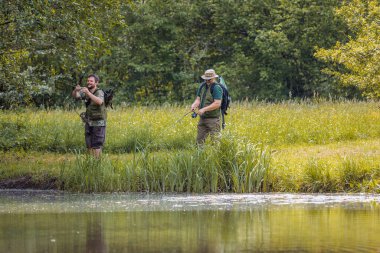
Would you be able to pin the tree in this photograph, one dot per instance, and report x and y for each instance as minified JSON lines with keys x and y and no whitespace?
{"x":357,"y":61}
{"x":273,"y":44}
{"x":155,"y":51}
{"x":161,"y":52}
{"x":264,"y":48}
{"x":45,"y":45}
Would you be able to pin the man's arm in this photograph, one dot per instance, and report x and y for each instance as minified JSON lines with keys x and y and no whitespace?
{"x":215,"y":105}
{"x":196,"y":103}
{"x":95,"y":99}
{"x":75,"y":92}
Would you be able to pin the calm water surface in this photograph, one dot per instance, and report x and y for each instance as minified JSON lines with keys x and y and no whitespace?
{"x":43,"y":221}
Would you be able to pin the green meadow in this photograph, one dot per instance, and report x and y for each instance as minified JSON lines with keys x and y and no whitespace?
{"x":306,"y":146}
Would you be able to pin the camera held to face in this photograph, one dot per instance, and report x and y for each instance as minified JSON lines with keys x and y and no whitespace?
{"x":81,"y":94}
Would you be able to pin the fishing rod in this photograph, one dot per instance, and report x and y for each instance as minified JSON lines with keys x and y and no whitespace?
{"x":82,"y":115}
{"x":194,"y":115}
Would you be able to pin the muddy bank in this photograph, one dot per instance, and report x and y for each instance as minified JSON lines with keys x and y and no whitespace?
{"x":28,"y":182}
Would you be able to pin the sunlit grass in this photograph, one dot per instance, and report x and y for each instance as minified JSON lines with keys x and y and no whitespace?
{"x":276,"y":125}
{"x":312,"y":147}
{"x":306,"y":123}
{"x":350,"y":166}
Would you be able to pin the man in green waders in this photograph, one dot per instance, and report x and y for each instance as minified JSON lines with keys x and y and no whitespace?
{"x":95,"y":116}
{"x":208,"y":101}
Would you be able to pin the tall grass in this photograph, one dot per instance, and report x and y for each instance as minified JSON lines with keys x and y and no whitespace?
{"x":129,"y":129}
{"x":341,"y":174}
{"x":224,"y":165}
{"x":88,"y":174}
{"x":265,"y":147}
{"x":306,"y":122}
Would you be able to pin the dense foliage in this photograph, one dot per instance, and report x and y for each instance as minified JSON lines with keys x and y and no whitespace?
{"x":154,"y":51}
{"x":357,"y":61}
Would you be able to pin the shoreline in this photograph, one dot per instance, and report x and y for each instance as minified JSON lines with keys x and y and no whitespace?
{"x":27,"y":182}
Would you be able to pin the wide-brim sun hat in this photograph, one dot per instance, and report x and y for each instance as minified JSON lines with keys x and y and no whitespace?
{"x":209,"y":74}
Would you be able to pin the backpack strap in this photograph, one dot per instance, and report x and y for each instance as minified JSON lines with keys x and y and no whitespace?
{"x":213,"y":86}
{"x":223,"y":122}
{"x":203,"y":85}
{"x":212,"y":90}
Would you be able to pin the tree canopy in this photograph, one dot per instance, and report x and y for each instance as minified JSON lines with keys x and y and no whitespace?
{"x":356,"y":62}
{"x":155,"y":51}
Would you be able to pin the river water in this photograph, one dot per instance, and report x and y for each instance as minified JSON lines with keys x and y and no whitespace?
{"x":51,"y":221}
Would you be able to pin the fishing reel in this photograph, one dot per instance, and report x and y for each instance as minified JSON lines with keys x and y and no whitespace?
{"x":194,"y":115}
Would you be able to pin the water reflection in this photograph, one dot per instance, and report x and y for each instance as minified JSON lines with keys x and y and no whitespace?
{"x":94,"y":234}
{"x":196,"y":225}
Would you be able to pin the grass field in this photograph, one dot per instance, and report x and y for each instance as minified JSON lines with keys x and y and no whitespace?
{"x":287,"y":147}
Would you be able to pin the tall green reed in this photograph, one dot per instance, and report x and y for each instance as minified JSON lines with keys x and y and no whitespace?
{"x":342,"y":174}
{"x":226,"y":164}
{"x":317,"y":177}
{"x":355,"y":175}
{"x":89,"y":174}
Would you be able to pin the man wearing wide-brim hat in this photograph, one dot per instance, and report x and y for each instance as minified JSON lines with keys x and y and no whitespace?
{"x":208,"y":101}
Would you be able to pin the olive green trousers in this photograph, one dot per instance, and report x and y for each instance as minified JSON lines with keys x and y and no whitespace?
{"x":207,"y":127}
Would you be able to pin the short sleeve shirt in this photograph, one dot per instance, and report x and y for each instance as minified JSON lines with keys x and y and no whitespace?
{"x":217,"y":93}
{"x":208,"y":96}
{"x":97,"y":113}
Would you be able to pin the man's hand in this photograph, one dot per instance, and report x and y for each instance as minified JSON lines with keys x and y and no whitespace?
{"x":196,"y":103}
{"x":77,"y":88}
{"x":85,"y":90}
{"x":201,"y":111}
{"x":76,"y":92}
{"x":215,"y":105}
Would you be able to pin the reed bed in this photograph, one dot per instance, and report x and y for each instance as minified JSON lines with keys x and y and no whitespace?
{"x":225,"y":165}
